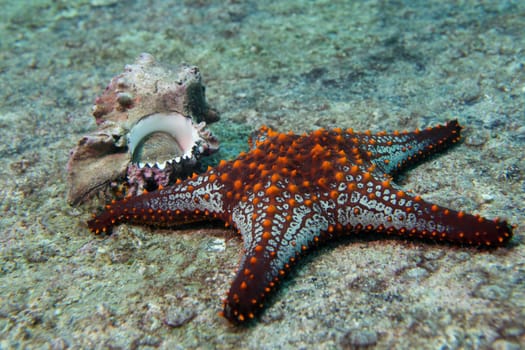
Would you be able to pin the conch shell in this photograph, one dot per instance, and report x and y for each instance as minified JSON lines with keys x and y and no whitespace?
{"x":152,"y":128}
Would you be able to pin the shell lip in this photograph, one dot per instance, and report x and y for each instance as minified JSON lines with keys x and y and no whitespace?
{"x":181,"y":129}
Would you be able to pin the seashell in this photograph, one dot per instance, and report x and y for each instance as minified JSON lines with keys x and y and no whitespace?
{"x":152,"y":129}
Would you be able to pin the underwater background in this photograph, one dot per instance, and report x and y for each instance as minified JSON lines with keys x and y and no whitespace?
{"x":292,"y":65}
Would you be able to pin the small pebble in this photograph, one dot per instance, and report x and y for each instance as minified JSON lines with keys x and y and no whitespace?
{"x":417,"y":273}
{"x":177,"y":316}
{"x":358,"y":338}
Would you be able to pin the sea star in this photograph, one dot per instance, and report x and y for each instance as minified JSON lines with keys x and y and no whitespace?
{"x":291,"y":192}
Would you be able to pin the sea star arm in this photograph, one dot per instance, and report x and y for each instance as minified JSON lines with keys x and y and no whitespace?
{"x":195,"y":199}
{"x":380,"y":207}
{"x":394,"y":152}
{"x":274,"y":237}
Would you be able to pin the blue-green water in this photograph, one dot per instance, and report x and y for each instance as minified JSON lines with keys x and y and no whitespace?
{"x":292,"y":65}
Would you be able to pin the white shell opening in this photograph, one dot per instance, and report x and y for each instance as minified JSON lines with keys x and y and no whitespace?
{"x":180,"y":128}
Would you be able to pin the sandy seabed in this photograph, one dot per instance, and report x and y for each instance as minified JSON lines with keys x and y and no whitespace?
{"x":293,"y":65}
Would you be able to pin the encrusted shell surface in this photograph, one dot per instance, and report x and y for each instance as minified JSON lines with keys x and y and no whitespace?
{"x":146,"y":87}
